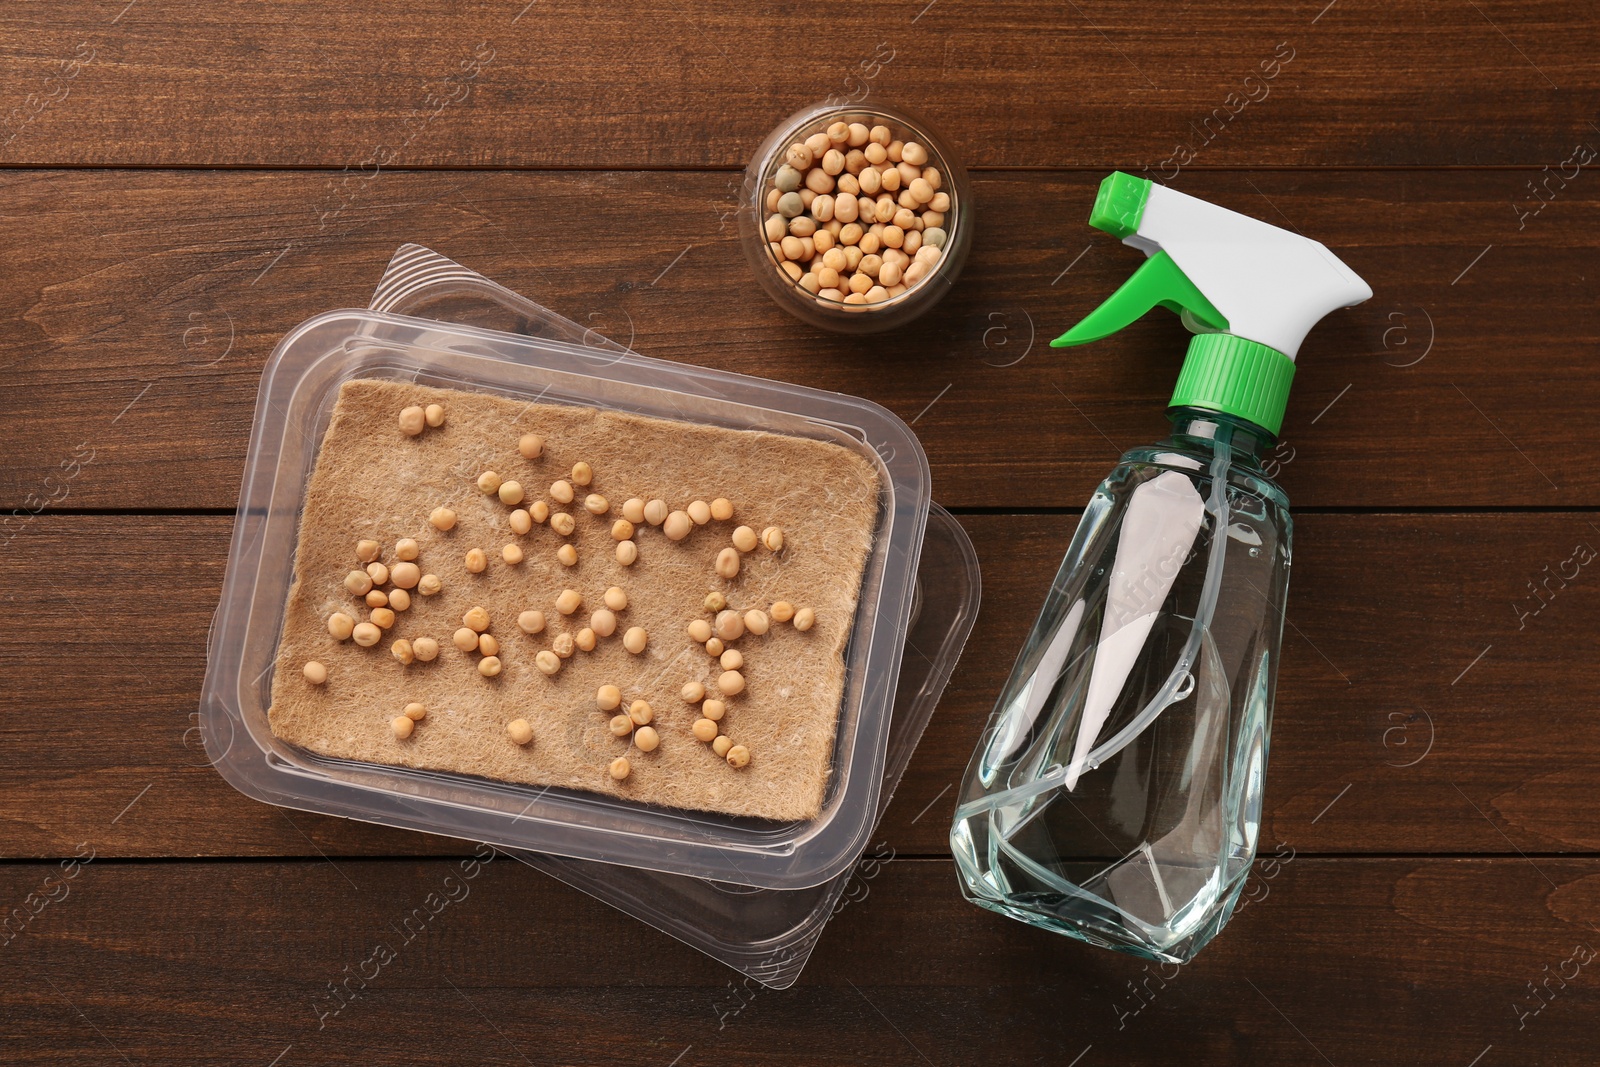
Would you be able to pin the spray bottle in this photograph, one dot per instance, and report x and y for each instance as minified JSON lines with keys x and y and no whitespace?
{"x":1116,"y":795}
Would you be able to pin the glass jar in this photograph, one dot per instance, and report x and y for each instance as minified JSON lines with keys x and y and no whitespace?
{"x":833,"y":314}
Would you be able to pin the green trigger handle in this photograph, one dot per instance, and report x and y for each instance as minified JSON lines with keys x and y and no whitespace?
{"x":1159,"y":281}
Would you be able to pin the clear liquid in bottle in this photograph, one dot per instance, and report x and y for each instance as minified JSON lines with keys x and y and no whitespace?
{"x":1116,"y":794}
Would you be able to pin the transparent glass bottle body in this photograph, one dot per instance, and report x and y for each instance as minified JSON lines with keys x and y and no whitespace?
{"x":1123,"y":810}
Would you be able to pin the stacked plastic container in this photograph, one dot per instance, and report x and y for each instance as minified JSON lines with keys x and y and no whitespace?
{"x":752,"y":893}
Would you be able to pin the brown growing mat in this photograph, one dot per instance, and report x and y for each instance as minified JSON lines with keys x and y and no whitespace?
{"x":372,"y":481}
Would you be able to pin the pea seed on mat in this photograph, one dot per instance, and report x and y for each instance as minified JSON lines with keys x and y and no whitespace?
{"x":520,"y":731}
{"x":315,"y":673}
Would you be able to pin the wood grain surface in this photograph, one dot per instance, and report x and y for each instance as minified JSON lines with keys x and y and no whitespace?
{"x":1352,"y":962}
{"x":147,"y":303}
{"x":1022,"y":83}
{"x":185,"y":183}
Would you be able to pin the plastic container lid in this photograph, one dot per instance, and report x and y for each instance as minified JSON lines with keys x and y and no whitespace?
{"x":768,"y":934}
{"x":298,"y":388}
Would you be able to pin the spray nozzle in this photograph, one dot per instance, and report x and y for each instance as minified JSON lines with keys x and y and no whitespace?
{"x":1252,"y":291}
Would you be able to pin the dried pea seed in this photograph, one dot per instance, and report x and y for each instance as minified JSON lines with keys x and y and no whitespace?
{"x":722,"y":509}
{"x":714,"y":647}
{"x":402,"y":727}
{"x":466,"y":639}
{"x":627,"y":552}
{"x":615,"y":598}
{"x":521,"y":522}
{"x":655,"y":512}
{"x":377,"y":598}
{"x":619,"y":768}
{"x":340,"y":626}
{"x":635,"y":639}
{"x":530,"y":446}
{"x":519,"y":731}
{"x":404,"y":575}
{"x":510,"y":493}
{"x":700,"y":631}
{"x":787,"y":178}
{"x":729,"y":625}
{"x":315,"y":672}
{"x":489,"y":666}
{"x":782,"y":611}
{"x":412,"y":420}
{"x":403,"y":652}
{"x":715,"y":602}
{"x":442,"y":518}
{"x":382,"y":617}
{"x":744,"y":539}
{"x":434,"y":414}
{"x":730,"y":683}
{"x":704,"y":730}
{"x":756,"y":621}
{"x":586,"y":639}
{"x":603,"y":621}
{"x":426,"y":649}
{"x":547,"y":662}
{"x":732,"y":659}
{"x":772,"y":537}
{"x":608,"y":698}
{"x":476,"y":561}
{"x":564,"y":646}
{"x":721,"y":744}
{"x":641,"y":712}
{"x":595,"y":504}
{"x":728,"y":563}
{"x":677,"y":526}
{"x":357,"y":583}
{"x":646,"y":739}
{"x":429,"y":584}
{"x":699,"y":511}
{"x":775,"y":228}
{"x":377,"y":572}
{"x":512,"y":554}
{"x":714,"y":709}
{"x":415,"y":712}
{"x":693,"y":692}
{"x":489,"y":644}
{"x":531,"y":622}
{"x":399,"y":599}
{"x":539,"y":511}
{"x":366,"y":634}
{"x":568,"y":601}
{"x":489,"y":483}
{"x":563,"y":524}
{"x":633,"y":510}
{"x":790,"y":205}
{"x":738,"y":756}
{"x":567,"y":555}
{"x":582,"y":474}
{"x":367,"y":551}
{"x":621,"y":726}
{"x":561,"y":491}
{"x":804,"y":619}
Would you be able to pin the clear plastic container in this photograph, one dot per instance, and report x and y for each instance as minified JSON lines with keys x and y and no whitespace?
{"x":830,"y":314}
{"x":768,"y":934}
{"x":298,"y":389}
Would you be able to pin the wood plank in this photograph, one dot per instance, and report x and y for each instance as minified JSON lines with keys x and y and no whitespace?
{"x":563,"y":84}
{"x":1414,"y":714}
{"x":1353,"y":962}
{"x":147,"y":302}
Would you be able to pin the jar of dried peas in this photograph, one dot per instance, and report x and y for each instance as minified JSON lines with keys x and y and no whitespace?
{"x":855,"y":218}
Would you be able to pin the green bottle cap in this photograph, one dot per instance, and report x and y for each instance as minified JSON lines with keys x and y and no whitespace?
{"x":1237,"y":377}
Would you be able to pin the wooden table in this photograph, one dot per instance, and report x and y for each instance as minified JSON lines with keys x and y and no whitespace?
{"x":185,"y":182}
